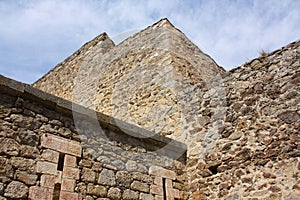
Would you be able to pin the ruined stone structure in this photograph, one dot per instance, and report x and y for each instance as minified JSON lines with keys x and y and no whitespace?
{"x":153,"y":118}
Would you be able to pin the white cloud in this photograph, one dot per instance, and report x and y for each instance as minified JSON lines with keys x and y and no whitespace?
{"x":36,"y":35}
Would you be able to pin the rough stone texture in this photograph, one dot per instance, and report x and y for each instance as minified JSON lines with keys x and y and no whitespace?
{"x":28,"y":179}
{"x":130,"y":195}
{"x":145,"y":196}
{"x":255,"y":153}
{"x":107,"y":82}
{"x":96,"y":190}
{"x":133,"y":166}
{"x":114,"y":193}
{"x":46,"y":154}
{"x":88,"y":175}
{"x":105,"y":166}
{"x":64,"y":82}
{"x":107,"y":177}
{"x":241,"y":127}
{"x":16,"y":190}
{"x":140,"y":186}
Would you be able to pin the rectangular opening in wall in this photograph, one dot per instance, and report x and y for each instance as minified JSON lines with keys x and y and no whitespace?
{"x":61,"y":160}
{"x":56,"y":191}
{"x":164,"y":188}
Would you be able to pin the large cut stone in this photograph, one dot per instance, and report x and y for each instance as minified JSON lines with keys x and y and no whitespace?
{"x":16,"y":190}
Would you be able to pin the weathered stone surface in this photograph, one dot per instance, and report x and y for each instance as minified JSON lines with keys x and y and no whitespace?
{"x":29,"y":137}
{"x":9,"y":147}
{"x":88,"y":175}
{"x":16,"y":190}
{"x":36,"y":192}
{"x":235,"y":135}
{"x":145,"y":196}
{"x":28,"y":179}
{"x":29,"y":151}
{"x":107,"y":177}
{"x":289,"y":116}
{"x":142,"y":177}
{"x":60,"y":144}
{"x":161,"y":172}
{"x":130,"y":195}
{"x":140,"y":186}
{"x":4,"y":111}
{"x":24,"y":164}
{"x":114,"y":193}
{"x":124,"y":178}
{"x":241,"y":127}
{"x":97,"y":190}
{"x":133,"y":166}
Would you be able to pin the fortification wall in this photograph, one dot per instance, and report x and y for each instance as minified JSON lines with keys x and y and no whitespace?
{"x":241,"y":127}
{"x":59,"y":81}
{"x":254,"y":154}
{"x":53,"y":149}
{"x":147,"y":80}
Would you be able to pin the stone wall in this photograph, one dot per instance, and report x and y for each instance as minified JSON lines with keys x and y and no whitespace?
{"x":64,"y":74}
{"x":53,"y":149}
{"x":147,"y":80}
{"x":241,"y":127}
{"x":254,"y":154}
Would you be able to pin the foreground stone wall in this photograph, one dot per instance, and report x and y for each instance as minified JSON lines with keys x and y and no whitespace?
{"x":254,"y":154}
{"x":49,"y":152}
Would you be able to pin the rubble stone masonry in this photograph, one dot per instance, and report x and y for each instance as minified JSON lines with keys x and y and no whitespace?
{"x":199,"y":132}
{"x":45,"y":155}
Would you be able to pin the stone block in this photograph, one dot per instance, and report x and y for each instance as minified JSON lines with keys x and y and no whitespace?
{"x":10,"y":147}
{"x":140,"y":186}
{"x":142,"y":177}
{"x":130,"y":195}
{"x":133,"y":166}
{"x":173,"y":193}
{"x":16,"y":190}
{"x":161,"y":172}
{"x":97,"y":190}
{"x":158,"y":197}
{"x":88,"y":175}
{"x":124,"y":178}
{"x":40,"y":193}
{"x":144,"y":196}
{"x":68,"y":185}
{"x":158,"y":181}
{"x":70,"y":161}
{"x":48,"y":181}
{"x":70,"y":173}
{"x":64,"y":195}
{"x":50,"y":155}
{"x":46,"y":167}
{"x":28,"y":179}
{"x":107,"y":177}
{"x":114,"y":193}
{"x":154,"y":189}
{"x":61,"y":144}
{"x":169,"y":183}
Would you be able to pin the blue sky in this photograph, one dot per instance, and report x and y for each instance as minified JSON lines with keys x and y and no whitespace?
{"x":35,"y":35}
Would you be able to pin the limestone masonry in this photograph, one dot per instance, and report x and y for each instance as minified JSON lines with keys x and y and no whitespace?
{"x":153,"y":118}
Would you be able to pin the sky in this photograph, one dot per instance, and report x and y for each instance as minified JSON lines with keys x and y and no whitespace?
{"x":35,"y":35}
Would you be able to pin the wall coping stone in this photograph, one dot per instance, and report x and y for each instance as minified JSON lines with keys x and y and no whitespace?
{"x":172,"y":148}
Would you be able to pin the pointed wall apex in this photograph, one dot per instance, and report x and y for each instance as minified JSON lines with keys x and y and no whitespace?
{"x":103,"y":36}
{"x":164,"y":22}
